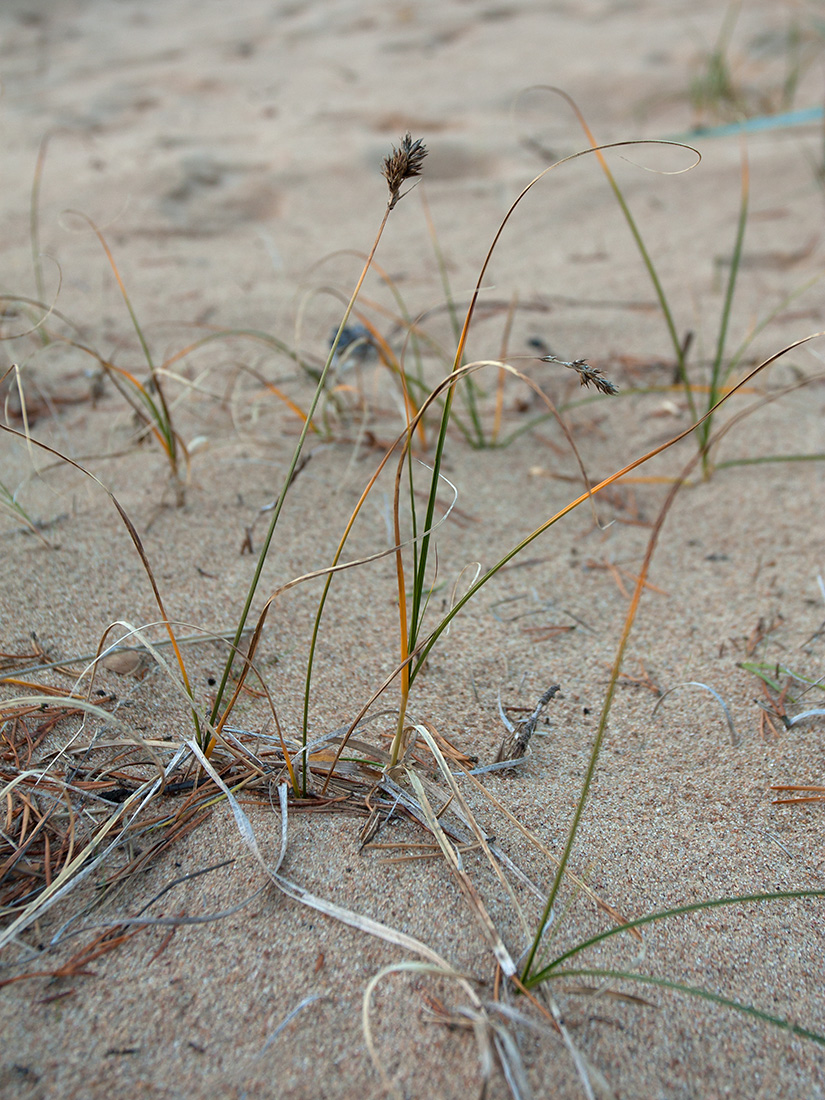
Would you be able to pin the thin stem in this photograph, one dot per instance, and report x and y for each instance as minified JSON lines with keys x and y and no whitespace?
{"x":34,"y":228}
{"x":276,"y":513}
{"x":597,"y":744}
{"x":718,"y":375}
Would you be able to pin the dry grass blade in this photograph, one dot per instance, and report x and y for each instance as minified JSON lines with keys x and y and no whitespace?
{"x":501,"y":953}
{"x":734,"y":736}
{"x":91,"y":855}
{"x":816,"y":713}
{"x":442,"y":970}
{"x":133,"y":535}
{"x":468,"y":839}
{"x":579,"y":882}
{"x":113,"y":649}
{"x":77,"y":965}
{"x":290,"y":1016}
{"x":515,"y":746}
{"x":811,"y":794}
{"x":182,"y":921}
{"x":512,"y":1064}
{"x":297,"y":893}
{"x":467,"y":816}
{"x":585,"y":1069}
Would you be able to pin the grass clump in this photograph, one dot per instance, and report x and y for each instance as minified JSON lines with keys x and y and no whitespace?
{"x":719,"y":89}
{"x":702,"y":396}
{"x":218,"y":760}
{"x":713,"y":89}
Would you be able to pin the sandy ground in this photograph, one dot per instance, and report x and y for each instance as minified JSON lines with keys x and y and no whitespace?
{"x":231,"y":154}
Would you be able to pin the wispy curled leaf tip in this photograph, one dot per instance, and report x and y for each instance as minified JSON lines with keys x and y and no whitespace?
{"x":403,"y":164}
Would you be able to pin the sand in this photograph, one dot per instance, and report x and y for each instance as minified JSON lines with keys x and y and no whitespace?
{"x":231,"y":157}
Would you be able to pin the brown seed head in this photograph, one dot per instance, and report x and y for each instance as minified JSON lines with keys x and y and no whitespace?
{"x":403,"y":164}
{"x":588,"y":376}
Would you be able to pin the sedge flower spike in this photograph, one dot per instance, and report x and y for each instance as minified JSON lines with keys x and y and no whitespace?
{"x":588,"y":376}
{"x":403,"y":164}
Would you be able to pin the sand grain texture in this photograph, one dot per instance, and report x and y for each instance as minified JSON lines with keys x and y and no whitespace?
{"x":231,"y":156}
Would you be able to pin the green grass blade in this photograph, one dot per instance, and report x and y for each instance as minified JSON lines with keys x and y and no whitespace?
{"x":769,"y":671}
{"x":34,"y":230}
{"x":597,"y":150}
{"x":817,"y":457}
{"x":715,"y":86}
{"x":276,"y":512}
{"x":10,"y":506}
{"x":718,"y":372}
{"x":549,"y":970}
{"x":647,"y":260}
{"x":695,"y":991}
{"x":477,"y":439}
{"x":605,"y":714}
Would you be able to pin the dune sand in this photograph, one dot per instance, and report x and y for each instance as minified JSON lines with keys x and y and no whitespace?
{"x":230,"y":155}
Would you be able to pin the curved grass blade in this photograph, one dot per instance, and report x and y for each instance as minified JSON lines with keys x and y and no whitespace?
{"x":630,"y":619}
{"x":678,"y":345}
{"x":695,"y":991}
{"x":138,"y":544}
{"x":549,"y":970}
{"x":734,"y":736}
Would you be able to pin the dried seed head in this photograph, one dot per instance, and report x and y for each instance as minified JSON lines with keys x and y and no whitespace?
{"x":402,"y":164}
{"x":588,"y":376}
